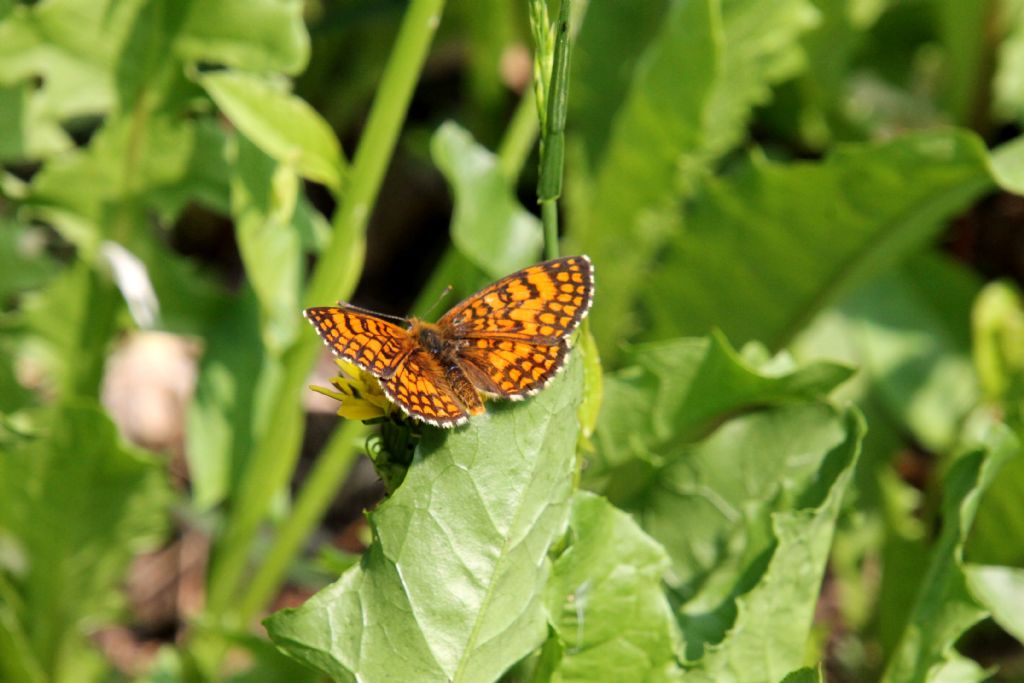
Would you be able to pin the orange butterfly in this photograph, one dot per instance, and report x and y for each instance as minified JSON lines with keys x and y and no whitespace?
{"x":508,"y":340}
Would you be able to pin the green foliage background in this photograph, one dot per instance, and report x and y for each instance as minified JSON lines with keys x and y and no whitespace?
{"x":786,"y":447}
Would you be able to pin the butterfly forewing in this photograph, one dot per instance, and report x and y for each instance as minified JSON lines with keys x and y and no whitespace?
{"x":542,"y":303}
{"x":370,"y":343}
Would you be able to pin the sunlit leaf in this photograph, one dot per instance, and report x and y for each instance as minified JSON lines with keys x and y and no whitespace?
{"x":772,"y":621}
{"x":607,"y":602}
{"x":1001,"y":591}
{"x":790,"y":239}
{"x":282,"y":125}
{"x":452,"y":587}
{"x":690,"y":96}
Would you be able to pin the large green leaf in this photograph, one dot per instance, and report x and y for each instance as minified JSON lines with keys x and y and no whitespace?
{"x":611,"y":40}
{"x":282,"y":125}
{"x":489,"y":226}
{"x":944,"y":607}
{"x":769,"y":634}
{"x":689,"y":99}
{"x":725,"y":486}
{"x":77,"y":506}
{"x":672,"y":391}
{"x":607,"y":603}
{"x":768,"y":247}
{"x":910,"y":326}
{"x":657,"y":458}
{"x":452,"y":587}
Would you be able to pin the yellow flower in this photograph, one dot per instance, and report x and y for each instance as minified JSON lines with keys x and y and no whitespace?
{"x":358,"y":392}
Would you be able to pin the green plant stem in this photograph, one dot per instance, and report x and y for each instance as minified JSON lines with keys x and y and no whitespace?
{"x":552,"y":143}
{"x":335,"y":276}
{"x":317,"y":493}
{"x":549,"y":217}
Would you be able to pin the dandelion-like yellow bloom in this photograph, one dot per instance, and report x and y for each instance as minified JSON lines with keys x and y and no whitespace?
{"x":358,"y":392}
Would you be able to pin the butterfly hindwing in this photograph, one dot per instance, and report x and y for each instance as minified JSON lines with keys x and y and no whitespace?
{"x":542,"y":303}
{"x":420,"y":388}
{"x":370,"y":343}
{"x":511,"y":369}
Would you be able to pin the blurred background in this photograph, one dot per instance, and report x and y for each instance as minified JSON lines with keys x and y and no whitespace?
{"x":822,"y":179}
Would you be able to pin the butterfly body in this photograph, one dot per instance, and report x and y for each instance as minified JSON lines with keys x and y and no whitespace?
{"x":507,"y":341}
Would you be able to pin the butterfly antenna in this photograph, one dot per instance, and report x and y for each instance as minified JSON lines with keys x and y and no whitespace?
{"x":375,"y":314}
{"x":440,"y":298}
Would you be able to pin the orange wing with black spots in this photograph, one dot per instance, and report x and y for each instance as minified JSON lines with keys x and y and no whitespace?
{"x":421,"y":388}
{"x":511,"y":369}
{"x":367,"y":342}
{"x":542,"y":304}
{"x":508,"y":340}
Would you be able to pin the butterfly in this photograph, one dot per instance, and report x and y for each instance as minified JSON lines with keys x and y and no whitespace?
{"x":507,"y":341}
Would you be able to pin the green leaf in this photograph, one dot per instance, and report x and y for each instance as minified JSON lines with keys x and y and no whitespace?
{"x":817,"y":105}
{"x":772,"y":624}
{"x":256,"y":35}
{"x":610,"y":41}
{"x":1001,"y":591}
{"x":864,"y":208}
{"x":264,"y":196}
{"x":282,"y":125}
{"x":23,"y":259}
{"x":1008,"y":79}
{"x":171,"y":163}
{"x":489,"y":226}
{"x":30,"y":132}
{"x":65,"y":354}
{"x":78,"y":505}
{"x":452,"y":587}
{"x":688,"y":104}
{"x":806,"y":675}
{"x":944,"y":608}
{"x":909,"y":325}
{"x":673,"y":390}
{"x":997,"y":323}
{"x":606,"y":600}
{"x":962,"y":31}
{"x":72,"y":45}
{"x":725,"y":486}
{"x":222,"y":417}
{"x":144,"y":74}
